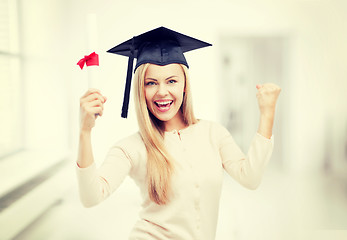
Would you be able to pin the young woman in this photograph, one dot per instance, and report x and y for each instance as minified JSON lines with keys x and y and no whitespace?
{"x":176,"y":160}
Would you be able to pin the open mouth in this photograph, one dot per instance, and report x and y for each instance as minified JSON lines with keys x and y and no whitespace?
{"x":163,"y":105}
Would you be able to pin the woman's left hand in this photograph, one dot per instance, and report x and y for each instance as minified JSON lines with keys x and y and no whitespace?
{"x":267,"y":97}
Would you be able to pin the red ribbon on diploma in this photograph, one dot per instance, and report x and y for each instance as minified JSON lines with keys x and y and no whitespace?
{"x":91,"y":59}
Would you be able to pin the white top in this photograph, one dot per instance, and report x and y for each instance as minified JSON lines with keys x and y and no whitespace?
{"x":201,"y":151}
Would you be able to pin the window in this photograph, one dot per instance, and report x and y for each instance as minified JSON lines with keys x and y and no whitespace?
{"x":11,"y":112}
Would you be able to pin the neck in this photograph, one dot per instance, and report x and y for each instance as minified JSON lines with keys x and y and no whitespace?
{"x":175,"y":123}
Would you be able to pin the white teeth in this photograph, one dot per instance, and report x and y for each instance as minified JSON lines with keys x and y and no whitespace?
{"x":163,"y":103}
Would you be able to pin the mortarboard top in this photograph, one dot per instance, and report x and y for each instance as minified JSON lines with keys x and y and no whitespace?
{"x":160,"y":46}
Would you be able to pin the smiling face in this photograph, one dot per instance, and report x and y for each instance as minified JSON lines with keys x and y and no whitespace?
{"x":164,"y":89}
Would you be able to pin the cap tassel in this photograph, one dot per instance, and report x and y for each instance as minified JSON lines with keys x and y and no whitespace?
{"x":128,"y":83}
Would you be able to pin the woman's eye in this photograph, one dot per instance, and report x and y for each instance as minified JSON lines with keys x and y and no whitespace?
{"x":149,"y":83}
{"x":172,"y":81}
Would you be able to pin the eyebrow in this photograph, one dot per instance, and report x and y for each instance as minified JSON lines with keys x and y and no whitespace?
{"x":165,"y":79}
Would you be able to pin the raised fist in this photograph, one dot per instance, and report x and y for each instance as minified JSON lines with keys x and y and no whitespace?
{"x":267,"y":97}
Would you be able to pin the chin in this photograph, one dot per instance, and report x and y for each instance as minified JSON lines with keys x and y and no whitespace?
{"x":168,"y":116}
{"x":164,"y":117}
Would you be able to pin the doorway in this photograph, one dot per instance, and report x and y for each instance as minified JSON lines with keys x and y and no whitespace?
{"x":244,"y":62}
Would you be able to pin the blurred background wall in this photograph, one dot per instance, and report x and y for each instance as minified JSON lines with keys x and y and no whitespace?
{"x":298,"y":44}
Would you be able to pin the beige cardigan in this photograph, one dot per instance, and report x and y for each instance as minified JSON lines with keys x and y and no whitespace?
{"x":202,"y":151}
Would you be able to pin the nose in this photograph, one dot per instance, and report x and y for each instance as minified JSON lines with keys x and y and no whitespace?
{"x":162,"y":90}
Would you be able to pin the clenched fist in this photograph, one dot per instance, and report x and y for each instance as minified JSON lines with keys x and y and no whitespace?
{"x":91,"y":106}
{"x":267,"y":97}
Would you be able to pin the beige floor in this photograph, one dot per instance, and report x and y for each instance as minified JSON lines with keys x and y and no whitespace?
{"x":305,"y":206}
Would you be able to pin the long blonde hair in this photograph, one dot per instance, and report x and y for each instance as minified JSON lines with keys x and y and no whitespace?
{"x":160,"y":165}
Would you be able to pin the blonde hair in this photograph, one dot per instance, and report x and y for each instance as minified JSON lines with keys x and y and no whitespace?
{"x":160,"y":165}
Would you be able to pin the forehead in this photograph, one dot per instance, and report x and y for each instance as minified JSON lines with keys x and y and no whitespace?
{"x":157,"y":71}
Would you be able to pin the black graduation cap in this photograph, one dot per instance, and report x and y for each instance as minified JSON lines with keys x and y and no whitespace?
{"x":160,"y":46}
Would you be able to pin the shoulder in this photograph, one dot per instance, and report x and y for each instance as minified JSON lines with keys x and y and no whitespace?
{"x":214,"y":131}
{"x":134,"y":139}
{"x":212,"y":127}
{"x":132,"y":146}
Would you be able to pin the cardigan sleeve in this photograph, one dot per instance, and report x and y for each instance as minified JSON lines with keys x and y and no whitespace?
{"x":245,"y":169}
{"x":95,"y":185}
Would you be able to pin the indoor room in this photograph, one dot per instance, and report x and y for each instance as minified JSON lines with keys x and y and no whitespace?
{"x":299,"y":45}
